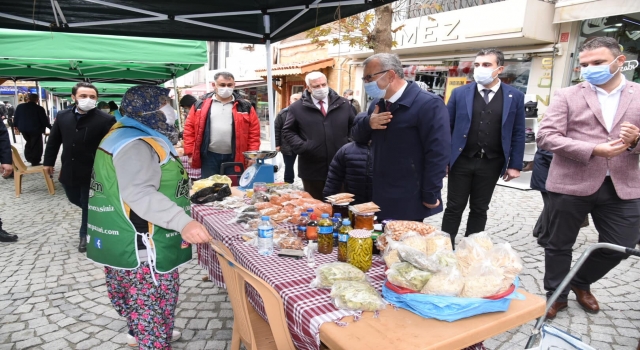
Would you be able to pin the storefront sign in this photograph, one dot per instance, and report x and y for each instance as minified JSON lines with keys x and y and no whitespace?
{"x":564,"y":37}
{"x":629,"y":66}
{"x":453,"y":83}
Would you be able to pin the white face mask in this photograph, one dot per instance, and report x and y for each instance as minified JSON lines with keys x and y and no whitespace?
{"x":349,"y":97}
{"x":320,"y":93}
{"x":484,"y":75}
{"x":86,"y":104}
{"x":107,"y":110}
{"x":170,"y":113}
{"x":224,"y":92}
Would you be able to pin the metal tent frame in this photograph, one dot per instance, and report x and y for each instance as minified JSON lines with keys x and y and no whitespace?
{"x":234,"y":21}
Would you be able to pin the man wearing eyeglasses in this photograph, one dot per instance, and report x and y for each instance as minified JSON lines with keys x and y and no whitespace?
{"x":410,"y":139}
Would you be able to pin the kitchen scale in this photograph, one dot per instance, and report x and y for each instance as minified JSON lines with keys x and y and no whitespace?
{"x":258,"y":172}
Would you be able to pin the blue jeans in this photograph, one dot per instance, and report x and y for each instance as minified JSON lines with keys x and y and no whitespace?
{"x":211,"y":163}
{"x":79,"y":195}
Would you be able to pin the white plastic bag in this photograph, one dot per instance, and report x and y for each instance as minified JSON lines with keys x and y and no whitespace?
{"x":356,"y":295}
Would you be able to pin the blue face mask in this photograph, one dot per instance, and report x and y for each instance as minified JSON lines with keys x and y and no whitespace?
{"x":598,"y":75}
{"x":372,"y":89}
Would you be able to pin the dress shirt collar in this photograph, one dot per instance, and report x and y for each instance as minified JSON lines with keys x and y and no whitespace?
{"x":494,"y":88}
{"x":396,"y":96}
{"x":233,"y":99}
{"x":324,"y":100}
{"x":619,"y":88}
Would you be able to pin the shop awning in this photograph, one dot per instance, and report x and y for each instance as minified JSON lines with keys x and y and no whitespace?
{"x":235,"y":21}
{"x":580,"y":10}
{"x":33,"y":55}
{"x":296,"y":68}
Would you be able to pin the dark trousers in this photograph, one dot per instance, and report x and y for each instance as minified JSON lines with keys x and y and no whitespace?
{"x":541,"y":229}
{"x":314,"y":188}
{"x":33,"y":148}
{"x":79,"y":196}
{"x":616,"y":220}
{"x":211,"y":163}
{"x":289,"y":173}
{"x":470,"y":180}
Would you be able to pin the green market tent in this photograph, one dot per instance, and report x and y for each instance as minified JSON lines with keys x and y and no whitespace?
{"x":256,"y":21}
{"x":63,"y":88}
{"x":33,"y":55}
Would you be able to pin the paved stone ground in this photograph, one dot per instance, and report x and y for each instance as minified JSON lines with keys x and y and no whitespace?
{"x":51,"y":297}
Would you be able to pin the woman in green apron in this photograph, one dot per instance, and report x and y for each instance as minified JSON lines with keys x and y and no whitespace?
{"x":139,"y":225}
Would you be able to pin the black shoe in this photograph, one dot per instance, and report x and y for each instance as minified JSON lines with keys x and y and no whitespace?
{"x":6,"y":237}
{"x":82,"y":247}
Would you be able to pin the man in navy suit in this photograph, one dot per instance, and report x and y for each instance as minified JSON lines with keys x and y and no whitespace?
{"x":487,"y":142}
{"x":410,"y":141}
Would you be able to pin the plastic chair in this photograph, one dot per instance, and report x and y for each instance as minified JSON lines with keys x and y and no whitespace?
{"x":248,"y":326}
{"x":19,"y":169}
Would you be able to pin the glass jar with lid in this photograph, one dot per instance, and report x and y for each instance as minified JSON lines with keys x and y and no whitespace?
{"x":360,"y":249}
{"x":363,"y":221}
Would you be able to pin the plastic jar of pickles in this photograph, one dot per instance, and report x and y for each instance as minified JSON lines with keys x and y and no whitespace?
{"x":360,"y":249}
{"x":363,"y":221}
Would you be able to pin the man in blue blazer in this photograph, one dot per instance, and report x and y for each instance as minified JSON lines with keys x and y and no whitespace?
{"x":487,"y":142}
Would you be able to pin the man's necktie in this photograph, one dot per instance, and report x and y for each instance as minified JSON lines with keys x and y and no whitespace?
{"x":324,"y":112}
{"x":486,"y":95}
{"x":388,"y":105}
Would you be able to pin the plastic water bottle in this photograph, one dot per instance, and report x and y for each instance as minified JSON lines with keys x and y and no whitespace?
{"x":265,"y":237}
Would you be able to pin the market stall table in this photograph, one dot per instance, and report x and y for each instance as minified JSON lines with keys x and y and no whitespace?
{"x":311,"y":316}
{"x":194,"y":173}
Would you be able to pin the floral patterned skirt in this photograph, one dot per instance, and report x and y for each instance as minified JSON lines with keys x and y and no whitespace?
{"x":148,"y":308}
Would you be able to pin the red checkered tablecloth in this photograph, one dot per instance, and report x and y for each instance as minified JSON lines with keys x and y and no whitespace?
{"x":306,"y":308}
{"x":194,"y":173}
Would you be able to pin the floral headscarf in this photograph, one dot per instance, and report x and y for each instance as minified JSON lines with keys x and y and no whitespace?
{"x":142,"y":103}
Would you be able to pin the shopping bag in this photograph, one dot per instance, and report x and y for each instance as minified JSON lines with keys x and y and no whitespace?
{"x":449,"y":308}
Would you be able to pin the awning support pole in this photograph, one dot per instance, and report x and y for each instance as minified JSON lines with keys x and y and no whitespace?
{"x":15,"y":106}
{"x":175,"y":99}
{"x":272,"y":115}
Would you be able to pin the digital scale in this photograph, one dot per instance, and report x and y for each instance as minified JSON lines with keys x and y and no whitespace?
{"x":258,"y":172}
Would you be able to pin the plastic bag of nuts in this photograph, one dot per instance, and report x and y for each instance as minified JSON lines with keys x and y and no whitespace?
{"x":290,"y":243}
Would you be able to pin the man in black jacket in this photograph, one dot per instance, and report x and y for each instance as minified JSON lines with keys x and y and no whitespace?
{"x":79,"y":130}
{"x":351,"y":171}
{"x":282,"y":145}
{"x":7,"y":169}
{"x":316,"y":127}
{"x":31,"y":120}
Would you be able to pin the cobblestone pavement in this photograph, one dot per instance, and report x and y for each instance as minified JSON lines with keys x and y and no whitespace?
{"x":51,"y":297}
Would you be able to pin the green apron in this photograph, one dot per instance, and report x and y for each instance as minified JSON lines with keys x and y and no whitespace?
{"x":111,"y":236}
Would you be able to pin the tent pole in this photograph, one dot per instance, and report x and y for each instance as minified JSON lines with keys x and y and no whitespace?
{"x":15,"y":106}
{"x":175,"y":99}
{"x":207,"y":88}
{"x":272,"y":115}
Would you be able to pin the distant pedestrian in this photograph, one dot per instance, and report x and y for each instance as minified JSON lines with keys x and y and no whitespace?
{"x":113,"y":107}
{"x":31,"y":120}
{"x":186,"y":102}
{"x":7,"y":168}
{"x":282,"y":145}
{"x":79,"y":130}
{"x":104,"y":106}
{"x":348,"y":94}
{"x":316,"y":127}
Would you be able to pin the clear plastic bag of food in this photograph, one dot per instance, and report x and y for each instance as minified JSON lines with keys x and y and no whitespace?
{"x":483,"y":280}
{"x":250,"y":238}
{"x":483,"y":239}
{"x":413,"y":256}
{"x":357,"y":296}
{"x":391,"y":256}
{"x":414,"y":240}
{"x":244,"y":218}
{"x":327,"y":274}
{"x":437,"y":241}
{"x":469,"y":253}
{"x":448,"y":282}
{"x":507,"y":259}
{"x":398,"y":228}
{"x":294,"y":243}
{"x":403,"y":274}
{"x":270,"y":211}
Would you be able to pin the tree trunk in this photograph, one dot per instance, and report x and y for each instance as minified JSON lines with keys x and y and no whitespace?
{"x":383,"y":41}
